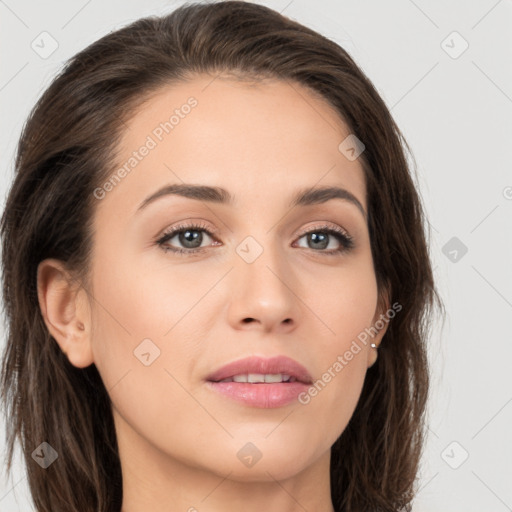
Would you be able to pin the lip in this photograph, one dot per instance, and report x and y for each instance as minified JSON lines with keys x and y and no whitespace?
{"x":261,"y":394}
{"x":272,"y":365}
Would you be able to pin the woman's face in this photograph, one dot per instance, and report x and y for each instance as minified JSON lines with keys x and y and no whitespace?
{"x":163,"y":322}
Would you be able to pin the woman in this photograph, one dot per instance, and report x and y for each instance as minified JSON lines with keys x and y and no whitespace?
{"x":216,"y":276}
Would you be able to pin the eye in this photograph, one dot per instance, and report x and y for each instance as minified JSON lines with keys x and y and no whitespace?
{"x":189,"y":235}
{"x":191,"y":238}
{"x":321,"y":237}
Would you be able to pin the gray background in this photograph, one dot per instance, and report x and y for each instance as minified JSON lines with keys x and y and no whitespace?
{"x":455,"y":110}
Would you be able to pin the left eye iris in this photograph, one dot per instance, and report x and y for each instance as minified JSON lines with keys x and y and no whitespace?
{"x":190,"y":238}
{"x":319,"y":239}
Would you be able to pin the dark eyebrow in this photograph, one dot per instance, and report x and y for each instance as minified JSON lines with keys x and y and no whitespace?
{"x":304,"y":197}
{"x":199,"y":192}
{"x":311,"y":196}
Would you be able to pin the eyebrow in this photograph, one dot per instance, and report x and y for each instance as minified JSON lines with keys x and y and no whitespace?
{"x":304,"y":197}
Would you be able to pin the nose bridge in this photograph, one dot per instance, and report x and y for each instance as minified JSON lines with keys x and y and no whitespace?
{"x":261,"y":257}
{"x":262,"y":287}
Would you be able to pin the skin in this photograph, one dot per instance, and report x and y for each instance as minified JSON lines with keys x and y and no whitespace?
{"x":178,"y":440}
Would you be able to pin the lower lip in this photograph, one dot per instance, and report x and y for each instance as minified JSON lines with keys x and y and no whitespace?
{"x":262,"y":395}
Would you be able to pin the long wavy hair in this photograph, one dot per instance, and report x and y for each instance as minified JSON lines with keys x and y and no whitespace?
{"x":68,"y":148}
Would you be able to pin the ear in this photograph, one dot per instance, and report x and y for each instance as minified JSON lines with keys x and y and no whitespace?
{"x":65,"y":309}
{"x":380,"y":322}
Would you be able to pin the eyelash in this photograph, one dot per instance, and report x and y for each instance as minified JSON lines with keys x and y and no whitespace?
{"x":346,"y":241}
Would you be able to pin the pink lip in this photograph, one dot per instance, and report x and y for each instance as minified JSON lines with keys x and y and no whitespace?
{"x":277,"y":364}
{"x":260,"y":394}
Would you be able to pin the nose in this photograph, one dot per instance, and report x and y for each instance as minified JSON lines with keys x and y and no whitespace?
{"x":263,"y":290}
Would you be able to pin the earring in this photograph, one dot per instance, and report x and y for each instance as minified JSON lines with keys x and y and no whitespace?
{"x":374,"y":346}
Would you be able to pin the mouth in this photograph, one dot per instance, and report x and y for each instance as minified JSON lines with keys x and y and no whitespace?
{"x":261,"y":383}
{"x":260,"y":378}
{"x":258,"y":370}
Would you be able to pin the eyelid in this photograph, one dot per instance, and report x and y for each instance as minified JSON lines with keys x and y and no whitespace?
{"x":200,"y":224}
{"x":188,"y":224}
{"x":325,"y":225}
{"x":342,"y":235}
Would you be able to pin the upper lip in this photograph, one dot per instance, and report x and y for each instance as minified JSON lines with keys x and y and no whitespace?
{"x":272,"y":365}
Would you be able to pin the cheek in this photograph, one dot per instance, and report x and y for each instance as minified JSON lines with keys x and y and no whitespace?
{"x":145,"y":328}
{"x":146,"y":372}
{"x":134,"y":302}
{"x":344,"y":300}
{"x":346,"y":309}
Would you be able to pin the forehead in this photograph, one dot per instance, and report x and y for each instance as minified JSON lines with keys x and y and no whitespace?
{"x":256,"y":139}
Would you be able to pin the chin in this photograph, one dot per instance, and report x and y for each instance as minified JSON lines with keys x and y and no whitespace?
{"x":270,"y":467}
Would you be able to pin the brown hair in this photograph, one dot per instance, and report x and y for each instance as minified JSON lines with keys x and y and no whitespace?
{"x":68,"y":147}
